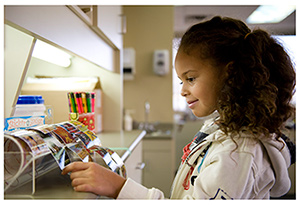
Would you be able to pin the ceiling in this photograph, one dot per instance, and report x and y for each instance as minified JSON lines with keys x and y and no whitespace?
{"x":186,"y":16}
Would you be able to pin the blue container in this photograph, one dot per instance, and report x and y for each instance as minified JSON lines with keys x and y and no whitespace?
{"x":30,"y":105}
{"x":30,"y":99}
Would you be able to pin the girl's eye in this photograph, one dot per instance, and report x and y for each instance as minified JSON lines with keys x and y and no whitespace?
{"x":190,"y":79}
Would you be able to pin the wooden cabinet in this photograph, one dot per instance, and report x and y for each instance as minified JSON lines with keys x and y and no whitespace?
{"x":68,"y":28}
{"x":65,"y":27}
{"x":17,"y":48}
{"x":158,"y":155}
{"x":111,"y":22}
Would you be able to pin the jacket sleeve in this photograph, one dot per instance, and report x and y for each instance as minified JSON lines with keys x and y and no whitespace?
{"x":134,"y":190}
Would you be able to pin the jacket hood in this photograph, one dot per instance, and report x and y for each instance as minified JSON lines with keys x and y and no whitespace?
{"x":280,"y":159}
{"x":277,"y":150}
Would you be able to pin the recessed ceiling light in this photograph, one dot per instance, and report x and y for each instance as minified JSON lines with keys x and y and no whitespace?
{"x":270,"y":14}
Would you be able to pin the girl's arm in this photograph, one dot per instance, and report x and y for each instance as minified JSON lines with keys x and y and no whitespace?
{"x":92,"y":177}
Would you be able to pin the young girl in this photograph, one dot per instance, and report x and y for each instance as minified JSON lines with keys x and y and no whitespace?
{"x":241,"y":81}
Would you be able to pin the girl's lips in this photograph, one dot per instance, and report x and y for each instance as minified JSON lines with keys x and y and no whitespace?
{"x":192,"y":103}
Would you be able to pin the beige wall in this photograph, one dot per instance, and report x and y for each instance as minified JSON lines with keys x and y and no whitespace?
{"x":149,"y":28}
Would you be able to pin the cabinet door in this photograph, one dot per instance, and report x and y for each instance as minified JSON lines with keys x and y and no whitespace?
{"x":134,"y":164}
{"x":110,"y":22}
{"x":17,"y":48}
{"x":158,"y":155}
{"x":61,"y":27}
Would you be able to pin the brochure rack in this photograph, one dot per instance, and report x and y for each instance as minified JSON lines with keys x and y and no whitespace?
{"x":44,"y":150}
{"x":22,"y":167}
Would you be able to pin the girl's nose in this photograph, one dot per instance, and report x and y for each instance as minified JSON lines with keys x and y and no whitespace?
{"x":184,"y":92}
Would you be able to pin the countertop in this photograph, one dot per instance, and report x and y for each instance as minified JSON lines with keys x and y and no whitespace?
{"x":53,"y":185}
{"x":123,"y":143}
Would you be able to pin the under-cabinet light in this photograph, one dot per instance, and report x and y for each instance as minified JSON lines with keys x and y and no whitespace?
{"x":51,"y":54}
{"x":270,"y":14}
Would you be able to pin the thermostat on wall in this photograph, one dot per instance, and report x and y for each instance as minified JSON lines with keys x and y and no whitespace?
{"x":161,"y":62}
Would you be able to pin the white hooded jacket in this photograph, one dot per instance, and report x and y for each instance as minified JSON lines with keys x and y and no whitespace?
{"x":245,"y":169}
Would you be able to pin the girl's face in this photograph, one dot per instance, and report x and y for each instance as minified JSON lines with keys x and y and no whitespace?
{"x":200,"y":83}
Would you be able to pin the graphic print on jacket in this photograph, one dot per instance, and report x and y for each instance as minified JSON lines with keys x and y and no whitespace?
{"x":189,"y":179}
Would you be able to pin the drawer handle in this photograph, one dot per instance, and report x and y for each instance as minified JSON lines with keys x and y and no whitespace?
{"x":140,"y":166}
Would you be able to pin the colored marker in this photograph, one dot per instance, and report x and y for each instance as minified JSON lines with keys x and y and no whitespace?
{"x":76,"y":103}
{"x":79,"y":105}
{"x":88,"y":102}
{"x":84,"y":105}
{"x":69,"y":100}
{"x":73,"y":102}
{"x":80,"y":101}
{"x":93,"y":101}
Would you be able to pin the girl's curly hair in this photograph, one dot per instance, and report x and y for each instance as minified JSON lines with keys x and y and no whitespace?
{"x":260,"y":76}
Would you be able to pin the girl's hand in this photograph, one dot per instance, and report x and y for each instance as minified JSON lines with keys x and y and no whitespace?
{"x":92,"y":177}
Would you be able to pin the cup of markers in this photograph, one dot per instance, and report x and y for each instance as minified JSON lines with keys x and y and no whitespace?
{"x":82,"y":108}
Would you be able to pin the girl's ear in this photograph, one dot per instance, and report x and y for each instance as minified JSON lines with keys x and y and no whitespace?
{"x":228,"y":69}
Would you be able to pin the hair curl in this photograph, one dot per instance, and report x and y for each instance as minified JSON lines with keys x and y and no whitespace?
{"x":260,"y":75}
